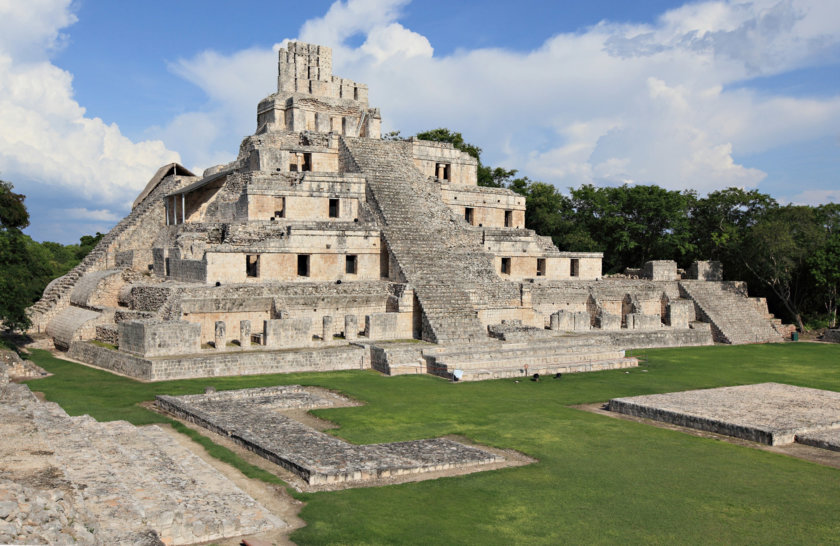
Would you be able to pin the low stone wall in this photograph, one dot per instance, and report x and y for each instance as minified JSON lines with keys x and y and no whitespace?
{"x":832,"y":336}
{"x":110,"y":359}
{"x":216,"y":364}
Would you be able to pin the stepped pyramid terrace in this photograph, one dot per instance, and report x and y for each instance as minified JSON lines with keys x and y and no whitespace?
{"x":324,"y":247}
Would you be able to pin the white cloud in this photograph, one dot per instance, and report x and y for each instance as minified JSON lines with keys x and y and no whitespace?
{"x":652,"y":103}
{"x":45,"y":136}
{"x":81,"y":213}
{"x":816,"y":197}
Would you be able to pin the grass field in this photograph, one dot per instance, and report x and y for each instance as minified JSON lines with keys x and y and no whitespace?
{"x":598,"y":479}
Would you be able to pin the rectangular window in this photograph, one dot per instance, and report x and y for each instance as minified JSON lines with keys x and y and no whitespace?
{"x":307,"y":162}
{"x":508,"y":218}
{"x":505,"y":266}
{"x":540,"y":267}
{"x":469,"y":215}
{"x":252,"y":265}
{"x":334,"y":208}
{"x":351,"y":264}
{"x":574,"y":269}
{"x":303,"y":265}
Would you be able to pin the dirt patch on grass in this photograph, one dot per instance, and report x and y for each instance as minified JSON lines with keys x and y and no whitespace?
{"x":817,"y":455}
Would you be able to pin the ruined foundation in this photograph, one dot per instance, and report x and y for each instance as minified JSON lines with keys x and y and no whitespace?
{"x":253,"y":419}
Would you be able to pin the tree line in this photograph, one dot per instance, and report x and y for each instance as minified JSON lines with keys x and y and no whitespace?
{"x":27,"y":266}
{"x":789,"y":254}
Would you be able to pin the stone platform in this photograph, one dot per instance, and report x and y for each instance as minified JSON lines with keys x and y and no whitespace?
{"x":826,"y":439}
{"x":768,"y":413}
{"x":253,"y":418}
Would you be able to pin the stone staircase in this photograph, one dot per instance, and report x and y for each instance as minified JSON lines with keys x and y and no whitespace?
{"x":545,"y":357}
{"x":133,"y":479}
{"x":734,"y":317}
{"x":442,"y":261}
{"x":57,"y":294}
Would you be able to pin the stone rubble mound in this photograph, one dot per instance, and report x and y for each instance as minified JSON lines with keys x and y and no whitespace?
{"x":73,"y":480}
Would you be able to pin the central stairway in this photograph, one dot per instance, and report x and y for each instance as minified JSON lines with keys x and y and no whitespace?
{"x":442,"y":261}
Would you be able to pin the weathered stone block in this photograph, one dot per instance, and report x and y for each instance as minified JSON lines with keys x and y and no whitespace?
{"x":159,"y":338}
{"x":638,"y":321}
{"x":706,"y":271}
{"x":327,"y":330}
{"x":583,"y":322}
{"x":563,"y":321}
{"x":244,"y":333}
{"x":660,"y":270}
{"x":608,"y":321}
{"x":381,"y":326}
{"x":288,"y":332}
{"x":220,"y":337}
{"x":351,"y":327}
{"x":679,"y":313}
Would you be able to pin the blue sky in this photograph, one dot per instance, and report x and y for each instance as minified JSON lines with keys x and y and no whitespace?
{"x":95,"y":95}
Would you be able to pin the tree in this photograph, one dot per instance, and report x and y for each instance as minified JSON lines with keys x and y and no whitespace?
{"x":824,"y":263}
{"x":775,"y":251}
{"x":16,"y":263}
{"x":634,"y":224}
{"x":719,"y":222}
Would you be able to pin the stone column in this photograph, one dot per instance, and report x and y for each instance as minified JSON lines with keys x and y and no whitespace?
{"x":327,"y":329}
{"x":244,"y":333}
{"x":554,"y":321}
{"x":220,"y":335}
{"x":351,"y":327}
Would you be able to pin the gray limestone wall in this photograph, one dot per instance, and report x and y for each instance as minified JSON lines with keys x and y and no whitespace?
{"x":159,"y":338}
{"x":227,"y":363}
{"x":660,"y":270}
{"x":110,"y":359}
{"x":144,"y":297}
{"x":187,"y":270}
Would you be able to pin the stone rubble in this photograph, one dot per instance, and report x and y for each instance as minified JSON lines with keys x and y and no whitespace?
{"x":73,"y":480}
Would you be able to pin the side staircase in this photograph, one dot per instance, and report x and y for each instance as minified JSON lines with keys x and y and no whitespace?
{"x":734,"y":317}
{"x":440,"y":259}
{"x":57,"y":294}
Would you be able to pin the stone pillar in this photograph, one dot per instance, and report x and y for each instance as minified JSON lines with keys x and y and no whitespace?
{"x":244,"y":333}
{"x":351,"y":327}
{"x":220,"y":335}
{"x":554,"y":323}
{"x":524,"y":294}
{"x":327,"y":329}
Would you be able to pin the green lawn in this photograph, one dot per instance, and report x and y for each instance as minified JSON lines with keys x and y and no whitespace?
{"x":598,"y":480}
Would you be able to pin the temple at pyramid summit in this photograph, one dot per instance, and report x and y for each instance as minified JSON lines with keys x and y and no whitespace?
{"x":324,"y":247}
